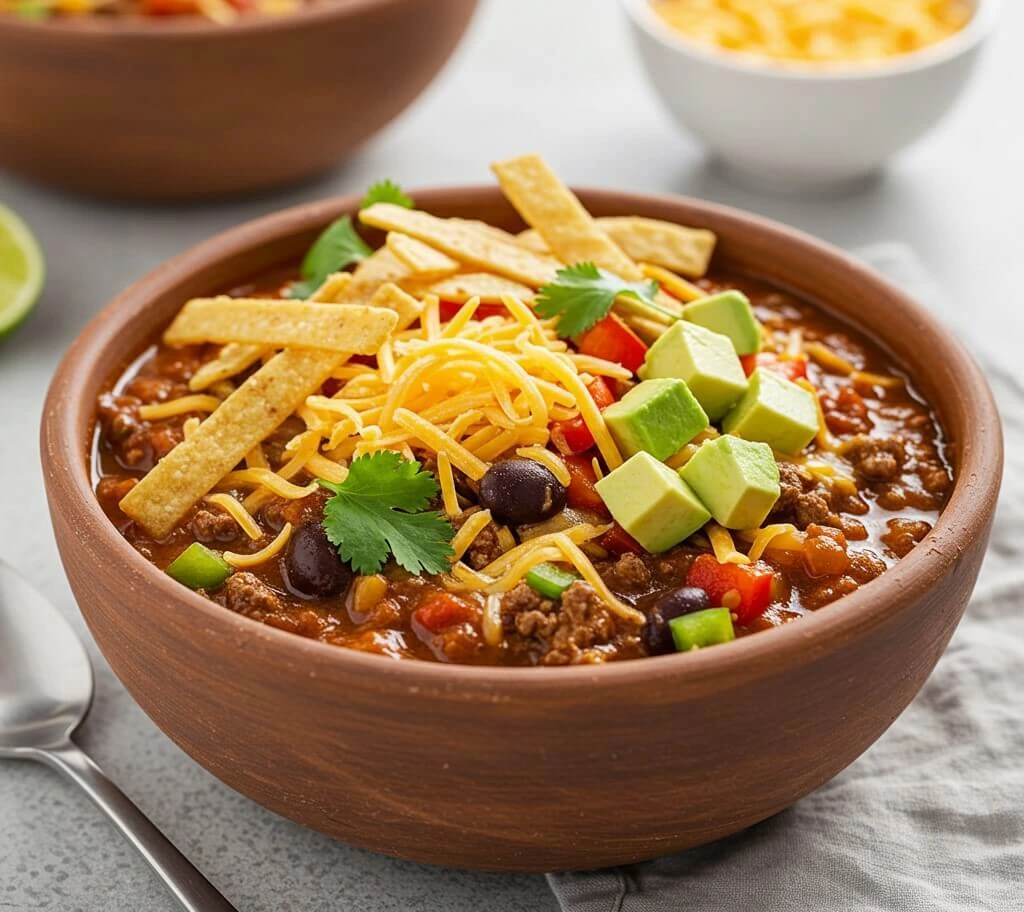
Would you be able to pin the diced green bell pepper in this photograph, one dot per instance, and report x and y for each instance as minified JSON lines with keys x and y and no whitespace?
{"x":702,"y":628}
{"x":549,"y":580}
{"x":199,"y":568}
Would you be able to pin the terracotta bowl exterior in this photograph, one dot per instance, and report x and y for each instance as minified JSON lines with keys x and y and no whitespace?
{"x":525,"y":769}
{"x":178,"y":109}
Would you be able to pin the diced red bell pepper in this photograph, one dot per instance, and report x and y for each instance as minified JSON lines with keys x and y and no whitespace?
{"x":619,"y":541}
{"x":582,"y":495}
{"x":573,"y":436}
{"x":790,"y":368}
{"x":753,"y":583}
{"x":612,"y":340}
{"x":441,"y":610}
{"x":448,"y":309}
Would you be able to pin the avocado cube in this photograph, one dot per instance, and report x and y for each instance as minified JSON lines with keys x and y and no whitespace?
{"x":730,"y":314}
{"x":737,"y":480}
{"x":652,"y":503}
{"x":705,"y":360}
{"x":776,"y":411}
{"x":657,"y":416}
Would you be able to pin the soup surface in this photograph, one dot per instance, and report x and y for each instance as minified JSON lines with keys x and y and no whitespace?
{"x":493,"y":486}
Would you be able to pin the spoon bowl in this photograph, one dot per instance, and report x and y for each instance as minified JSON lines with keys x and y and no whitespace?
{"x":46,"y":682}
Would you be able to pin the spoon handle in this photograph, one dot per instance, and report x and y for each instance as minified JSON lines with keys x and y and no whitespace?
{"x":192,"y":890}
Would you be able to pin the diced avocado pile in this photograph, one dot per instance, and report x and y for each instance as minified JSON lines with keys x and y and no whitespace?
{"x":691,"y":377}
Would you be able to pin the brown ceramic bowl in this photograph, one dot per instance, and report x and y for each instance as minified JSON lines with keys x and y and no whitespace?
{"x":182,"y":108}
{"x":525,"y":769}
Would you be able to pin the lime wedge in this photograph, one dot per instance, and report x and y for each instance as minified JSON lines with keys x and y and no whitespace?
{"x":22,"y":271}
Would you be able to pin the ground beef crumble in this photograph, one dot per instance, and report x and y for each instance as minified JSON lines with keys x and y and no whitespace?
{"x":246,"y":594}
{"x":628,"y":574}
{"x":213,"y":525}
{"x":877,"y":458}
{"x":565,"y":632}
{"x":802,"y":499}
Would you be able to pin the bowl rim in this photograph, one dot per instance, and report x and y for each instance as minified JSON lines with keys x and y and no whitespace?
{"x":982,"y":23}
{"x":815,"y":635}
{"x":92,"y":28}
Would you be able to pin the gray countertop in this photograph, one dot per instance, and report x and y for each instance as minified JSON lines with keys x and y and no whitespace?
{"x":555,"y":76}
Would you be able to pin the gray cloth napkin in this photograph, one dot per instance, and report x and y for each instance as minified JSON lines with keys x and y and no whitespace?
{"x":930,"y":819}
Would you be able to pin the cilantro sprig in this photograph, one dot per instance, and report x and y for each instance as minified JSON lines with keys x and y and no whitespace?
{"x":380,"y":509}
{"x":340,"y":246}
{"x":386,"y":191}
{"x":337,"y":248}
{"x":584,"y":293}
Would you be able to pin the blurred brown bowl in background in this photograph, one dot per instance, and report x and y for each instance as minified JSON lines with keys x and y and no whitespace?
{"x":184,"y":108}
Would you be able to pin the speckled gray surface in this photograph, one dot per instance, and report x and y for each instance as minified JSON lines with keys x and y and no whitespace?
{"x":579,"y":99}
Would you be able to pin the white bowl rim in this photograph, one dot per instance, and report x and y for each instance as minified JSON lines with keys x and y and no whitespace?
{"x":986,"y":14}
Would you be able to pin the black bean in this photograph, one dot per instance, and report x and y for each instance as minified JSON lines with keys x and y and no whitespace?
{"x":656,"y":634}
{"x":312,"y":567}
{"x":684,"y":600}
{"x":520,"y":491}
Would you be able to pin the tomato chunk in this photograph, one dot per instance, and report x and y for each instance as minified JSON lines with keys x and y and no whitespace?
{"x":612,"y":340}
{"x":619,"y":541}
{"x":751,"y":582}
{"x":441,"y":610}
{"x":573,"y":436}
{"x":448,"y":309}
{"x":790,"y":368}
{"x":582,"y":495}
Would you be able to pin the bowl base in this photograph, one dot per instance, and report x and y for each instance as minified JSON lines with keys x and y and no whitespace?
{"x":790,"y":184}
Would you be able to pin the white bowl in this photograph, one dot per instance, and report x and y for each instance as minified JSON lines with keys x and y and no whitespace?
{"x":804,"y":127}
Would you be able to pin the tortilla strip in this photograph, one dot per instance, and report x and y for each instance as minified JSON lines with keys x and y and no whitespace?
{"x":378,"y":269}
{"x":549,"y":206}
{"x":466,"y":241}
{"x":488,"y":287}
{"x":392,"y":297}
{"x":232,"y":360}
{"x":686,"y":251}
{"x":246,"y":417}
{"x":355,"y":329}
{"x":235,"y":357}
{"x":333,"y":289}
{"x":423,"y":261}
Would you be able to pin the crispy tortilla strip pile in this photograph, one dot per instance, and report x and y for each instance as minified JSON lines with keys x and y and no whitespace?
{"x":468,"y":242}
{"x":554,"y":212}
{"x":473,"y":388}
{"x":684,"y":250}
{"x":249,"y":415}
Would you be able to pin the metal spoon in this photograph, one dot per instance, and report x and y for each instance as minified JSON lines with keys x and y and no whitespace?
{"x":45,"y":691}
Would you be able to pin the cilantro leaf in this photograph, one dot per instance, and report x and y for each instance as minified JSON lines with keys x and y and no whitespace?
{"x":386,"y":191}
{"x":380,"y":509}
{"x":583,"y":294}
{"x":339,"y":246}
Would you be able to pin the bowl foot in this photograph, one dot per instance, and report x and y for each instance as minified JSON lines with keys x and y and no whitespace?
{"x":790,"y":184}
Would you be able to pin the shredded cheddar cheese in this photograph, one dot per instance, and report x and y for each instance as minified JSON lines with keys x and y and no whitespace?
{"x":238,"y":513}
{"x":196,"y":403}
{"x":242,"y":561}
{"x":447,"y":484}
{"x":466,"y":535}
{"x":724,"y":546}
{"x":549,"y":460}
